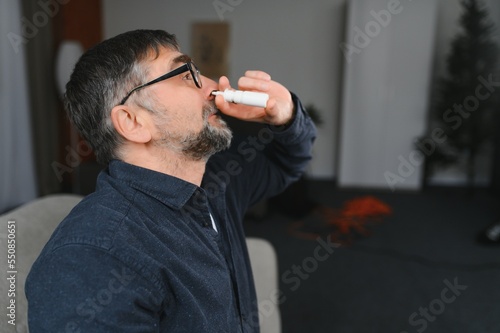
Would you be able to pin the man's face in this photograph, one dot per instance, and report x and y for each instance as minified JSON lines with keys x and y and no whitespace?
{"x":213,"y":137}
{"x":185,"y":115}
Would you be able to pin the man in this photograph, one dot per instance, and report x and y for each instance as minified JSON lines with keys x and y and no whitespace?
{"x":159,"y":246}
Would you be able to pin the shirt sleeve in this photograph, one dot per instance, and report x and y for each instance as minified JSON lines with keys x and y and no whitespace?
{"x":80,"y":288}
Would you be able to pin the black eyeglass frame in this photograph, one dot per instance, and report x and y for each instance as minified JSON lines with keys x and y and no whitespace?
{"x":189,"y":66}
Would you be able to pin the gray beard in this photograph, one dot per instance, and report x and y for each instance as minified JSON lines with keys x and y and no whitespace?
{"x":200,"y":146}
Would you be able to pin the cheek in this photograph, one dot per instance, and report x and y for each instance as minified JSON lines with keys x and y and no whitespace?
{"x":188,"y":118}
{"x":185,"y":109}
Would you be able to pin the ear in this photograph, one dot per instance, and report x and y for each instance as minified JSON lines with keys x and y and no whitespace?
{"x":131,"y":124}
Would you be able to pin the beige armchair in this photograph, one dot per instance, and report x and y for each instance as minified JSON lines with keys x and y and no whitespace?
{"x":34,"y":223}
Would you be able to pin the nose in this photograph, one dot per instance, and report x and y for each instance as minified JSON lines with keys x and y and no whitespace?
{"x":208,"y":85}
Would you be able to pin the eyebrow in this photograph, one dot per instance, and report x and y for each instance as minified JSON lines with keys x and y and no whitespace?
{"x":181,"y":59}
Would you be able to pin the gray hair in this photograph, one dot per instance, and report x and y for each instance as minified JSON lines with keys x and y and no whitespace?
{"x":102,"y":77}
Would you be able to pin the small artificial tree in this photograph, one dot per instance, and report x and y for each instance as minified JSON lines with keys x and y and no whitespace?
{"x":463,"y":109}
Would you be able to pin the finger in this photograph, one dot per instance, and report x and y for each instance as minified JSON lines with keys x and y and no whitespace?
{"x":271,"y":107}
{"x":248,"y":83}
{"x":219,"y":100}
{"x":224,"y":83}
{"x":258,"y":75}
{"x":254,"y":80}
{"x":243,"y":112}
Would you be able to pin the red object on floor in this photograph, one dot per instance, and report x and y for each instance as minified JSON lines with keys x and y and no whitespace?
{"x":365,"y":207}
{"x":345,"y":224}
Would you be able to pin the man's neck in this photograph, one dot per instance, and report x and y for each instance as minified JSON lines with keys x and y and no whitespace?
{"x":169,"y":163}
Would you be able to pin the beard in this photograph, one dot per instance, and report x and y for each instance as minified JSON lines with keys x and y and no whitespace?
{"x":200,"y":146}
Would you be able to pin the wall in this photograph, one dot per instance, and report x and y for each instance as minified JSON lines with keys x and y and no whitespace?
{"x":297,"y":42}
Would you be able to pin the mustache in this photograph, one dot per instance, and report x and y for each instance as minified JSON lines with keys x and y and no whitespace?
{"x":209,"y":109}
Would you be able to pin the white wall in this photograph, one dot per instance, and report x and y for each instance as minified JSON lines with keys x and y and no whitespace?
{"x":297,"y":42}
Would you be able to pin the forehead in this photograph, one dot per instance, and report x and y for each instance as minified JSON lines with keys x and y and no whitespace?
{"x":167,"y":60}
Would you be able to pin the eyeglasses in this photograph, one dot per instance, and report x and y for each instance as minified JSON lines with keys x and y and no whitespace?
{"x":190,"y":66}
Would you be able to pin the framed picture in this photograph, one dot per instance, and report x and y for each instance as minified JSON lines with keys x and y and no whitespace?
{"x":210,"y":48}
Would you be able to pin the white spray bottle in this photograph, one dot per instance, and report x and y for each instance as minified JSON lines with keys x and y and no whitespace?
{"x":250,"y":98}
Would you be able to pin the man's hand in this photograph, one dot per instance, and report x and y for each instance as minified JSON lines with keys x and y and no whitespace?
{"x":279,"y":108}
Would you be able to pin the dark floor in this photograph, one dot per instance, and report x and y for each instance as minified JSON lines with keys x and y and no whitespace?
{"x":419,"y":270}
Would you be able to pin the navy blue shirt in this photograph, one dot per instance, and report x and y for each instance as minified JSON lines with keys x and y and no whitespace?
{"x":141,"y":254}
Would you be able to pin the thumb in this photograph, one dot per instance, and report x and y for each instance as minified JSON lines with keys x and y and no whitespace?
{"x":219,"y":100}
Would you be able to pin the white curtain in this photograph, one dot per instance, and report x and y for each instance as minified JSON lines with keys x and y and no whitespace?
{"x":388,"y":69}
{"x":17,"y":176}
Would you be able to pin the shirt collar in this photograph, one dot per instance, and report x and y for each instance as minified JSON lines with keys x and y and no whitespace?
{"x":170,"y":190}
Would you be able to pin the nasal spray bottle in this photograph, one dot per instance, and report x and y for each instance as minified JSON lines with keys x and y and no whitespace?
{"x":250,"y":98}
